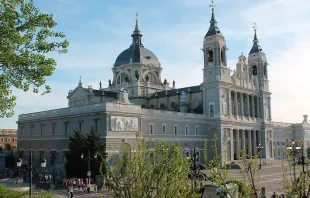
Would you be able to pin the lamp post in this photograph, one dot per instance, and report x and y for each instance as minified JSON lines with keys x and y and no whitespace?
{"x":43,"y":165}
{"x":294,"y":150}
{"x":30,"y":173}
{"x":259,"y":148}
{"x":195,"y":173}
{"x":18,"y":164}
{"x":88,"y":158}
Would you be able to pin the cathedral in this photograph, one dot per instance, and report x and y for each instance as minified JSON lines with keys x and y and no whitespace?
{"x":234,"y":105}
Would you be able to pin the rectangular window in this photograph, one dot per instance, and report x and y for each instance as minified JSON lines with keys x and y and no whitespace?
{"x":196,"y":130}
{"x":211,"y":110}
{"x":1,"y":139}
{"x":21,"y":131}
{"x":164,"y":128}
{"x":175,"y":130}
{"x":151,"y":129}
{"x":53,"y":128}
{"x":80,"y":125}
{"x":9,"y":139}
{"x":66,"y":128}
{"x":132,"y":92}
{"x":186,"y":130}
{"x":279,"y":153}
{"x":96,"y":125}
{"x":278,"y":143}
{"x":42,"y":126}
{"x":31,"y":130}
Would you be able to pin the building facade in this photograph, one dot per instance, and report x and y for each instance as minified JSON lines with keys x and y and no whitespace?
{"x":234,"y":105}
{"x":8,"y":136}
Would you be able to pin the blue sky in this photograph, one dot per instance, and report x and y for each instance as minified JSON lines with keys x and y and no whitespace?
{"x":98,"y":30}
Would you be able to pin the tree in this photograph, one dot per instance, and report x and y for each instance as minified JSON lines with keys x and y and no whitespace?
{"x":8,"y":147}
{"x":77,"y":144}
{"x":296,"y":180}
{"x":26,"y":38}
{"x":151,"y":171}
{"x":80,"y":143}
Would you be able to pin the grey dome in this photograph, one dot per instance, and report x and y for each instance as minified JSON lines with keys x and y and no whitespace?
{"x":136,"y":54}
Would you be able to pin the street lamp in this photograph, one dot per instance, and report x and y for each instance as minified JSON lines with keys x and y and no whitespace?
{"x":43,"y":165}
{"x":88,"y":158}
{"x":19,"y":164}
{"x":294,"y":150}
{"x":195,"y":173}
{"x":259,"y":148}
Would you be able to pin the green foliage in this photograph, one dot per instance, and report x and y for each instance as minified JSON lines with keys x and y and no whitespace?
{"x":155,"y":169}
{"x":296,"y":179}
{"x":202,"y":166}
{"x":26,"y":38}
{"x":250,"y":175}
{"x":9,"y":193}
{"x":78,"y":144}
{"x":8,"y":147}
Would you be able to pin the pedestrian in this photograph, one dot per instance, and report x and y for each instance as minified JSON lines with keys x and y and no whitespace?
{"x":88,"y":187}
{"x":71,"y":191}
{"x":274,"y":195}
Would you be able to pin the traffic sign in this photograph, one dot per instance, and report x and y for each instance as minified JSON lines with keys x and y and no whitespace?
{"x":52,"y":186}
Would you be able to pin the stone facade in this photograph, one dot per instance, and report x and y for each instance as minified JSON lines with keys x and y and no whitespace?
{"x":234,"y":105}
{"x":8,"y":136}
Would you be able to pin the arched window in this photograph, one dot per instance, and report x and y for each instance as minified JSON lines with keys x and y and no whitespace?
{"x":254,"y":70}
{"x":162,"y":106}
{"x":210,"y":56}
{"x":223,"y":55}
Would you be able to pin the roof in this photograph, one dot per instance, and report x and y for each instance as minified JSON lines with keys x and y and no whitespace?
{"x":173,"y":92}
{"x":136,"y":54}
{"x":256,"y":47}
{"x":110,"y":94}
{"x":213,"y":29}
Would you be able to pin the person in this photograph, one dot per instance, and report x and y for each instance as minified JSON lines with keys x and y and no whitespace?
{"x":71,"y":191}
{"x":274,"y":195}
{"x":88,"y":187}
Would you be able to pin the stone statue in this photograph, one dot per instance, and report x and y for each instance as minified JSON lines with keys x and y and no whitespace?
{"x":165,"y":81}
{"x":110,"y":83}
{"x":147,"y":78}
{"x":100,"y":85}
{"x":183,"y":97}
{"x":173,"y":83}
{"x":137,"y":75}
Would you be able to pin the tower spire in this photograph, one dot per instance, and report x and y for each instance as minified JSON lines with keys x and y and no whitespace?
{"x":136,"y":35}
{"x":213,"y":29}
{"x":256,"y":47}
{"x":80,"y":82}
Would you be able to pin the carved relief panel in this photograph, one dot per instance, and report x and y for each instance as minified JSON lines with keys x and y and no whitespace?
{"x":119,"y":123}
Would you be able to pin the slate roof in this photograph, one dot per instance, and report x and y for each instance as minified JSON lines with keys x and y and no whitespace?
{"x":213,"y":29}
{"x":173,"y":92}
{"x":136,"y":53}
{"x":110,"y":94}
{"x":256,"y":47}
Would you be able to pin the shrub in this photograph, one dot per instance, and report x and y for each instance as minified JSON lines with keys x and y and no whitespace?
{"x":10,"y":193}
{"x":202,"y":166}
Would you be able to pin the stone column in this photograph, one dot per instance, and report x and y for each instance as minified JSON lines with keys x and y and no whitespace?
{"x":243,"y":141}
{"x":231,"y":135}
{"x":242,"y":105}
{"x":248,"y":105}
{"x":269,"y":109}
{"x":252,"y":108}
{"x":229,"y":103}
{"x":237,"y":145}
{"x":236,"y":102}
{"x":250,"y":146}
{"x":254,"y":142}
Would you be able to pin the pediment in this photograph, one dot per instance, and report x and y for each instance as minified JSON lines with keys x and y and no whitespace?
{"x":78,"y":92}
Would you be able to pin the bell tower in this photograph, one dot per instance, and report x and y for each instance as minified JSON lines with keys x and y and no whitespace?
{"x":257,"y":63}
{"x":216,"y":75}
{"x":214,"y":51}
